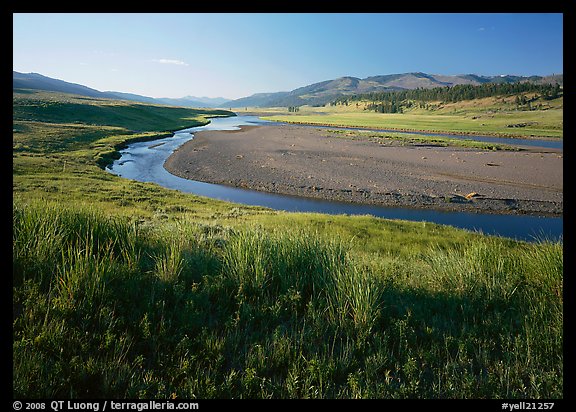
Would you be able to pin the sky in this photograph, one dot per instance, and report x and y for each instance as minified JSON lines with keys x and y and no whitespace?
{"x":234,"y":55}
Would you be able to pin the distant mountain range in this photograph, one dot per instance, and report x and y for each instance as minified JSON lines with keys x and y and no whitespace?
{"x":40,"y":82}
{"x":313,"y":94}
{"x":187,"y":101}
{"x":326,"y":91}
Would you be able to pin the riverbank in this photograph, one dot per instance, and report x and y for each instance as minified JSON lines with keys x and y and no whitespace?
{"x":412,"y":130}
{"x":310,"y":162}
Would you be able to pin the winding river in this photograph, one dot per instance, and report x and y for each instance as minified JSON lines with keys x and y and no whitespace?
{"x":144,"y":162}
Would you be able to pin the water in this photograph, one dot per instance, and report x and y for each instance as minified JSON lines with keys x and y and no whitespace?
{"x":144,"y":162}
{"x":512,"y":141}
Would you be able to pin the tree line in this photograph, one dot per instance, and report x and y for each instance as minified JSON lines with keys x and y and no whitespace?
{"x":396,"y":101}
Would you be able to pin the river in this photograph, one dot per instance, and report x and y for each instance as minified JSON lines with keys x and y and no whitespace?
{"x":144,"y":162}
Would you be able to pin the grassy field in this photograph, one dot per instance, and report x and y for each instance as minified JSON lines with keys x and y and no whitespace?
{"x":490,"y":116}
{"x":412,"y":139}
{"x":124,"y":289}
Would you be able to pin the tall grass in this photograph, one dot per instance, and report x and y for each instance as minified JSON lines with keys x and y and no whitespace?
{"x":109,"y":307}
{"x":261,"y":264}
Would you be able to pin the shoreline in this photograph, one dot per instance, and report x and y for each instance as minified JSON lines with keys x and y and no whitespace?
{"x":305,"y":162}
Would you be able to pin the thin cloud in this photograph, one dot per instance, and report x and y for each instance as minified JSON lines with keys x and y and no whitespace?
{"x":171,"y":61}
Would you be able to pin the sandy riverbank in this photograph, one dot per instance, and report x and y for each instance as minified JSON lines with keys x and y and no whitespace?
{"x":311,"y":162}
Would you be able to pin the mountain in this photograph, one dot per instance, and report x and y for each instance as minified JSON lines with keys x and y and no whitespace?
{"x":192,"y":101}
{"x":260,"y":100}
{"x":314,"y":94}
{"x":212,"y":101}
{"x":186,"y":101}
{"x":133,"y":97}
{"x":326,"y":91}
{"x":40,"y":82}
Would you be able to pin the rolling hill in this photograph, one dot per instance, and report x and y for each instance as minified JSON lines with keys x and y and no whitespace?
{"x":40,"y":82}
{"x":314,"y":94}
{"x":326,"y":91}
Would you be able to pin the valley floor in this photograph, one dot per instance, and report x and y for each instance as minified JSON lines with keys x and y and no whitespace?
{"x":311,"y":162}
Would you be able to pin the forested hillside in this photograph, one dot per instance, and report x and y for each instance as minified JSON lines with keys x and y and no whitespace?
{"x":397,"y":101}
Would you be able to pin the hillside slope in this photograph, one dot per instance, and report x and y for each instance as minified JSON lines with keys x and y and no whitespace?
{"x":323,"y":92}
{"x":36,"y":81}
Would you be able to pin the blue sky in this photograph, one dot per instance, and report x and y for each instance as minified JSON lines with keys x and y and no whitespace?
{"x":239,"y":54}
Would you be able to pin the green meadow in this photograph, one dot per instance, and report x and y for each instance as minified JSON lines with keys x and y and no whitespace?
{"x":124,"y":289}
{"x":490,"y":116}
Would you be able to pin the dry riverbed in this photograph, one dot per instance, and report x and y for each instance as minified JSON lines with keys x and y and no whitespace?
{"x":313,"y":162}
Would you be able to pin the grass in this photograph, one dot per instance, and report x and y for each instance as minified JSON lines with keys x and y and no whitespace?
{"x":490,"y":116}
{"x":51,"y":107}
{"x":125,"y":289}
{"x":106,"y":307}
{"x":415,"y":139}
